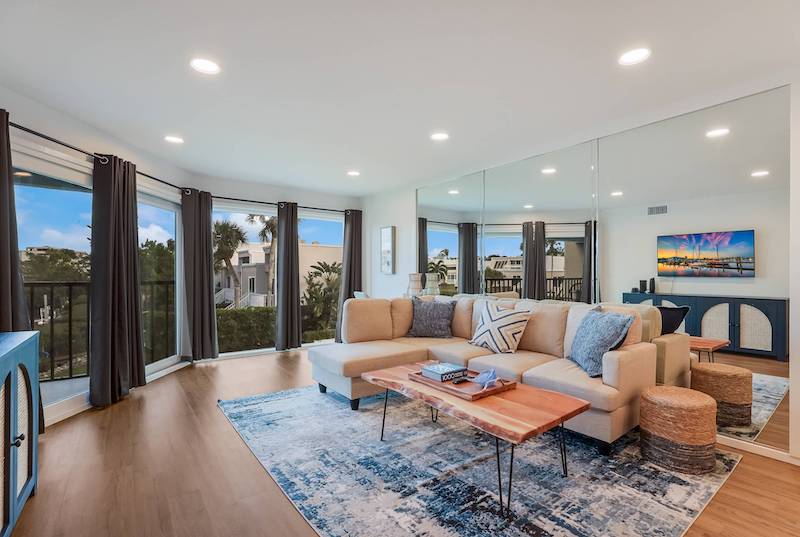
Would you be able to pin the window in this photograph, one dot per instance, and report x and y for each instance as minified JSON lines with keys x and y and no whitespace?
{"x":157,"y":221}
{"x":443,"y":256}
{"x":244,"y":276}
{"x":53,"y":223}
{"x":321,"y":236}
{"x":503,"y":266}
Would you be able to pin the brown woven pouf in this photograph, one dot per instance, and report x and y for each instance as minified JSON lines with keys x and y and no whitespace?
{"x":678,"y":429}
{"x":731,"y":387}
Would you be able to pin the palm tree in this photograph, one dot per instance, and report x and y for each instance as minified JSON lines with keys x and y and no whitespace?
{"x":323,"y":282}
{"x":227,"y":237}
{"x":267,"y":233}
{"x":439,"y":268}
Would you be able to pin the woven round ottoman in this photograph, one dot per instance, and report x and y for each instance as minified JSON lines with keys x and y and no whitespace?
{"x":678,"y":429}
{"x":731,"y":387}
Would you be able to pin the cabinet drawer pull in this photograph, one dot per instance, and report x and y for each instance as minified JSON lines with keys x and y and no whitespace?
{"x":18,"y":440}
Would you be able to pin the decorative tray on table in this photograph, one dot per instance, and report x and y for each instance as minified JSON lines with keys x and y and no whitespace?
{"x":467,"y":389}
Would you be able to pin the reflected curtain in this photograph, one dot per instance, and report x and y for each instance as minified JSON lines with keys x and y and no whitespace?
{"x":534,"y":255}
{"x":198,"y":273}
{"x":351,"y":263}
{"x":422,"y":247}
{"x":13,"y":306}
{"x":117,"y":363}
{"x":468,"y":277}
{"x":589,"y":234}
{"x":288,"y":332}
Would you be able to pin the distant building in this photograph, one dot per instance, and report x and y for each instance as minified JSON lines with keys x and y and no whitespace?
{"x":250,"y":264}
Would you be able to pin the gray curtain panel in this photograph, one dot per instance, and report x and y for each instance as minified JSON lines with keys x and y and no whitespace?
{"x":468,"y":277}
{"x":588,"y":261}
{"x":198,"y":273}
{"x":117,"y":363}
{"x":528,"y":257}
{"x":538,"y":265}
{"x":351,"y":263}
{"x":13,"y":306}
{"x":422,"y":245}
{"x":288,"y":332}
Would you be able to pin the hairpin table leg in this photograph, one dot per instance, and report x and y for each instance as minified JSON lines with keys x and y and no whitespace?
{"x":562,"y":447}
{"x":434,"y":414}
{"x":385,"y":401}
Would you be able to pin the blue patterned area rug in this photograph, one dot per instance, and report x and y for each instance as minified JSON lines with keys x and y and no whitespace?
{"x":768,"y":392}
{"x":440,"y":479}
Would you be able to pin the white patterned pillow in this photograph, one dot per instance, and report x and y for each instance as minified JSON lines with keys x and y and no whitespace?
{"x":500,"y":328}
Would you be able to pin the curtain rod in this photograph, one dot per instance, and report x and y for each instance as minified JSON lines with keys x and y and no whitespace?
{"x":104,"y":160}
{"x":515,"y":224}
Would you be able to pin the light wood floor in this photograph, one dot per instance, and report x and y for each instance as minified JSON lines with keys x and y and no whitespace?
{"x":776,"y":431}
{"x":166,"y":462}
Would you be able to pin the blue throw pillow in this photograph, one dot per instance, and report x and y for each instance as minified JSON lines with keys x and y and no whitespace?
{"x":598,"y":333}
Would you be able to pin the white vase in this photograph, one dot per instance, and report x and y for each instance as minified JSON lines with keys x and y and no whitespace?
{"x":431,"y":283}
{"x":414,"y":284}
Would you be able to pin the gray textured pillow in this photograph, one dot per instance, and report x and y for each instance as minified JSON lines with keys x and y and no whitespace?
{"x":432,"y":318}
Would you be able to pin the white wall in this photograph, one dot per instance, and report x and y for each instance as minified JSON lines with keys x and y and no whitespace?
{"x":627,"y":246}
{"x":392,"y":208}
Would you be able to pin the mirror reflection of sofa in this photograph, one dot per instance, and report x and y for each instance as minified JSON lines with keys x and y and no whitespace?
{"x":374,"y":334}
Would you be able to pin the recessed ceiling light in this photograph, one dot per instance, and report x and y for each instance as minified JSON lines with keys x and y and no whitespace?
{"x":205,"y":66}
{"x":716,"y":133}
{"x":353,"y":173}
{"x":440,"y":136}
{"x":616,"y":193}
{"x":548,"y":171}
{"x":632,"y":57}
{"x":527,"y":206}
{"x":760,"y":173}
{"x":22,"y":174}
{"x":453,"y":192}
{"x":173,"y":139}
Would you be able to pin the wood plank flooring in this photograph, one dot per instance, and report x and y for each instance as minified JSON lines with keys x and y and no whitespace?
{"x":166,"y":462}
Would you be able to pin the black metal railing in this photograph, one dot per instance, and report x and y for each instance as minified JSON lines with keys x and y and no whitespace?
{"x":60,"y":311}
{"x":557,"y":288}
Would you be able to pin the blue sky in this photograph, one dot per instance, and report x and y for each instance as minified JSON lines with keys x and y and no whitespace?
{"x":310,"y":229}
{"x":59,"y":218}
{"x":505,"y":246}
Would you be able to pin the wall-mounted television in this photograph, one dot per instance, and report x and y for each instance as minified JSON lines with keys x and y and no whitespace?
{"x":722,"y":254}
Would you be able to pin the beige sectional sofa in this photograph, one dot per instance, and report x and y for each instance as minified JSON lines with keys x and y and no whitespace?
{"x":374,"y":334}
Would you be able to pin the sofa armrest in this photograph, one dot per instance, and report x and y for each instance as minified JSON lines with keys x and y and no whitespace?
{"x":672,"y":355}
{"x":630,"y":369}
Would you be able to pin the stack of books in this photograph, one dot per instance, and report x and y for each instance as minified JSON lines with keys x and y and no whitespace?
{"x":443,"y":372}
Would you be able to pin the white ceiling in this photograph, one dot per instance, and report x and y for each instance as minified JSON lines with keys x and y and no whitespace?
{"x":310,"y":89}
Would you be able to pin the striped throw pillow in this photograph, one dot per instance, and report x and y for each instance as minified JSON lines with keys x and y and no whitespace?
{"x":500,"y":328}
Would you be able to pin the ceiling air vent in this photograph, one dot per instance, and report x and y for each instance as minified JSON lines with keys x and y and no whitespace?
{"x":658,"y":209}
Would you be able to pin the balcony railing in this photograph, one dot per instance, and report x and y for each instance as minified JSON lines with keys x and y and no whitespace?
{"x":60,"y":311}
{"x":558,"y":288}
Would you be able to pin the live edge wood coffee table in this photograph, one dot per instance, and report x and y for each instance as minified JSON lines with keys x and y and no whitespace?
{"x":514,"y":415}
{"x":706,"y":345}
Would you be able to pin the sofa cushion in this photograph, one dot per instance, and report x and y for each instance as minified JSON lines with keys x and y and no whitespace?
{"x":432,"y":318}
{"x":459,"y":353}
{"x":545,"y":329}
{"x":599,"y":332}
{"x":634,"y":334}
{"x":567,"y":377}
{"x":500,"y":328}
{"x":366,"y":319}
{"x":510,"y":366}
{"x":352,"y":359}
{"x":574,"y":318}
{"x":426,"y":342}
{"x":462,"y":318}
{"x":402,"y":315}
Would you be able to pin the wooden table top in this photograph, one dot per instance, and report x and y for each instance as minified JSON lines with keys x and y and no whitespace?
{"x":697,"y":343}
{"x":514,"y":415}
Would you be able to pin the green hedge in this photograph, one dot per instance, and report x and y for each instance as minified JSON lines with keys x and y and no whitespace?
{"x":245,"y":329}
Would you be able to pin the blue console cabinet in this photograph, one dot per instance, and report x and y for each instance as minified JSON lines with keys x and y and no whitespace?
{"x":19,"y":416}
{"x":754,"y":325}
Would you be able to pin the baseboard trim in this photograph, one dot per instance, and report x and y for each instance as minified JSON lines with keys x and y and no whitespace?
{"x":758,"y":449}
{"x":72,"y":406}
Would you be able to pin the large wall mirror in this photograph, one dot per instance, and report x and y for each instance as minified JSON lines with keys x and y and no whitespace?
{"x":700,"y":204}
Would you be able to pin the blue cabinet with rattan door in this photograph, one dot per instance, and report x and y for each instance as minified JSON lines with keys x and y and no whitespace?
{"x":19,"y":419}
